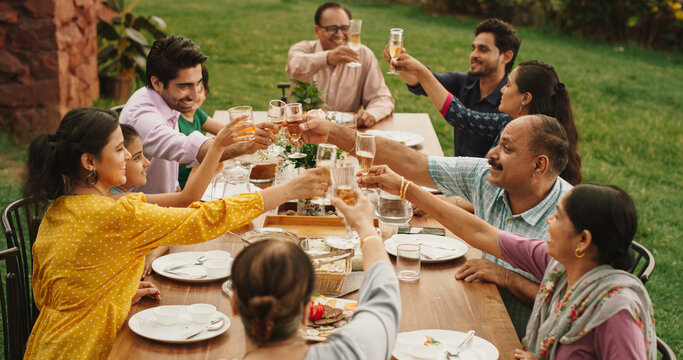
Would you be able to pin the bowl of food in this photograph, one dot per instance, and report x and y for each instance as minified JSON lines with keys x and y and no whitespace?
{"x":264,"y":166}
{"x":266,"y":233}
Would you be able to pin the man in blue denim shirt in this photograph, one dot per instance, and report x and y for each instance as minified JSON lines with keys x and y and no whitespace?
{"x":494,"y":50}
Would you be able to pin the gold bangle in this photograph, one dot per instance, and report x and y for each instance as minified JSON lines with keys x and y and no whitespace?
{"x":363,"y":240}
{"x":400,"y":190}
{"x":354,"y":143}
{"x":406,"y":190}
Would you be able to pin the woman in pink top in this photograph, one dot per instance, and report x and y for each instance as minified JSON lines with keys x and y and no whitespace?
{"x":587,"y":306}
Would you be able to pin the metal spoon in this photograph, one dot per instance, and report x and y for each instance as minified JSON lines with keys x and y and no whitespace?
{"x":239,"y":236}
{"x":458,"y":348}
{"x":214,"y":325}
{"x":200,"y":260}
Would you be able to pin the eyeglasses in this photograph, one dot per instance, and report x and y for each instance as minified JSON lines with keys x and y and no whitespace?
{"x":331,"y":30}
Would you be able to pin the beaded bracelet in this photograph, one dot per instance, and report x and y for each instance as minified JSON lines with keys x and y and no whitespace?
{"x":363,"y":240}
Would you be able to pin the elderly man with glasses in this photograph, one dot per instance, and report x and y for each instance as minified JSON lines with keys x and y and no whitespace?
{"x":325,"y":61}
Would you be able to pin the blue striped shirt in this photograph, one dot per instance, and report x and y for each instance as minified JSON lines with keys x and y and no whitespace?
{"x":468,"y":178}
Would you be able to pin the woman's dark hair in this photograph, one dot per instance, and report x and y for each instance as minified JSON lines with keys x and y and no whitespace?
{"x":54,"y":161}
{"x":550,"y":97}
{"x":610,"y":216}
{"x":505,"y":38}
{"x":330,"y":5}
{"x":273,"y":281}
{"x":170,"y":55}
{"x":129,"y":134}
{"x":205,"y":79}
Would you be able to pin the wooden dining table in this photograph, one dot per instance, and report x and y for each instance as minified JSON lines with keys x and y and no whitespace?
{"x":435,"y":301}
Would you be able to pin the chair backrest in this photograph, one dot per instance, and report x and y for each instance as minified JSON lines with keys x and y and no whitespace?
{"x":20,"y":222}
{"x":117,"y":108}
{"x":10,"y":299}
{"x":664,"y":350}
{"x":644,"y":262}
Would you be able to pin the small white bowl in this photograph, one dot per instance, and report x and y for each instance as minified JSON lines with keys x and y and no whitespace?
{"x":217,"y":267}
{"x":218,"y":255}
{"x":424,"y":352}
{"x":165,"y":315}
{"x":201,"y":313}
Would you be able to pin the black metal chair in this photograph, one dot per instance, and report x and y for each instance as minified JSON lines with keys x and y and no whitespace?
{"x":20,"y":222}
{"x":10,"y":304}
{"x":664,"y":350}
{"x":644,"y":262}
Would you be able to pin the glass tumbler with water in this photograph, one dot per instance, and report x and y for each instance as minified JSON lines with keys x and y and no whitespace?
{"x":392,"y":210}
{"x":408,"y":262}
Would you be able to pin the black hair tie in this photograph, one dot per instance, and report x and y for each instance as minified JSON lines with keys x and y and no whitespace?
{"x":559,"y":87}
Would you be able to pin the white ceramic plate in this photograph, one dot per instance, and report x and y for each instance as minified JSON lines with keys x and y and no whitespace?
{"x":186,"y":274}
{"x":434,"y":248}
{"x":475,"y":349}
{"x":333,"y":302}
{"x":146,"y":325}
{"x":220,"y":185}
{"x":408,"y":138}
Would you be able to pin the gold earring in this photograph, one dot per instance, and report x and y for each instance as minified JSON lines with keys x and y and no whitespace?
{"x":578,"y":253}
{"x":91,"y":179}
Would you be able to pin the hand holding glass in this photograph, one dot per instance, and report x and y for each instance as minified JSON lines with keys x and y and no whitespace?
{"x":246,"y":112}
{"x":395,"y":46}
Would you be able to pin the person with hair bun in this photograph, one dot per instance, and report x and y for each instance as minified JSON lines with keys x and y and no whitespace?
{"x":273,"y":281}
{"x":588,"y":306}
{"x":533,"y":87}
{"x":90,"y":249}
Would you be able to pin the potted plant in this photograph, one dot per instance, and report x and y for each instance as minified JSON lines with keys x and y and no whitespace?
{"x":308,"y":94}
{"x":123,"y":41}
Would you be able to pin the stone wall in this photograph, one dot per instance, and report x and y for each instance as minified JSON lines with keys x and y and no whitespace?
{"x":48,"y":62}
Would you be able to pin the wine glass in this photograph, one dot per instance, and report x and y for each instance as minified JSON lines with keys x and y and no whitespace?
{"x":354,"y":39}
{"x":326,"y":157}
{"x":365,"y":151}
{"x":395,"y":46}
{"x":295,"y":116}
{"x":344,"y":181}
{"x":276,"y":115}
{"x":240,"y":111}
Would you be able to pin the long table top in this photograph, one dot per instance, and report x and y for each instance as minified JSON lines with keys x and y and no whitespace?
{"x":436,"y":301}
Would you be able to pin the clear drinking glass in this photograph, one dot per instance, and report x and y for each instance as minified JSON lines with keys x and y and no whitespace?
{"x":344,"y":182}
{"x":241,"y":111}
{"x":326,"y":156}
{"x":395,"y":46}
{"x":408,"y":262}
{"x":276,"y":115}
{"x":354,"y":39}
{"x":365,"y":151}
{"x":295,"y":116}
{"x":392,"y":210}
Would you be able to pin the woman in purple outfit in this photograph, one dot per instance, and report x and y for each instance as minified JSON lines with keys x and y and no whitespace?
{"x":587,"y":306}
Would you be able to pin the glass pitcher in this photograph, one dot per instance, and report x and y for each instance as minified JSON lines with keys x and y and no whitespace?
{"x":233,"y":179}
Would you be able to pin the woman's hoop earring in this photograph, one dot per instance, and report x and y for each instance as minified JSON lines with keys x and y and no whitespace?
{"x":578,"y":253}
{"x":91,"y":179}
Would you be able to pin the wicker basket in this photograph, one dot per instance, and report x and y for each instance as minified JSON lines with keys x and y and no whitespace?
{"x":332,"y":283}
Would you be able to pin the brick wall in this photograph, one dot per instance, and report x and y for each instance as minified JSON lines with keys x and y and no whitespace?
{"x":48,"y":62}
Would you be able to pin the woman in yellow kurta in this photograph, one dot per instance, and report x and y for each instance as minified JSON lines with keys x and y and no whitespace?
{"x":90,"y":249}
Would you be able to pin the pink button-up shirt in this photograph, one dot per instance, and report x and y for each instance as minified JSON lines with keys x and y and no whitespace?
{"x":345,"y":88}
{"x":162,"y":143}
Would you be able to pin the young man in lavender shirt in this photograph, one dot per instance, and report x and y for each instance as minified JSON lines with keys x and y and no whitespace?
{"x":173,"y":80}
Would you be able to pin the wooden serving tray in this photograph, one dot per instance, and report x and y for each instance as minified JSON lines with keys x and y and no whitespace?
{"x":308,"y":225}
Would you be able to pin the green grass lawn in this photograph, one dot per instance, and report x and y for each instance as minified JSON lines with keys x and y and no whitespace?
{"x":627,"y":101}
